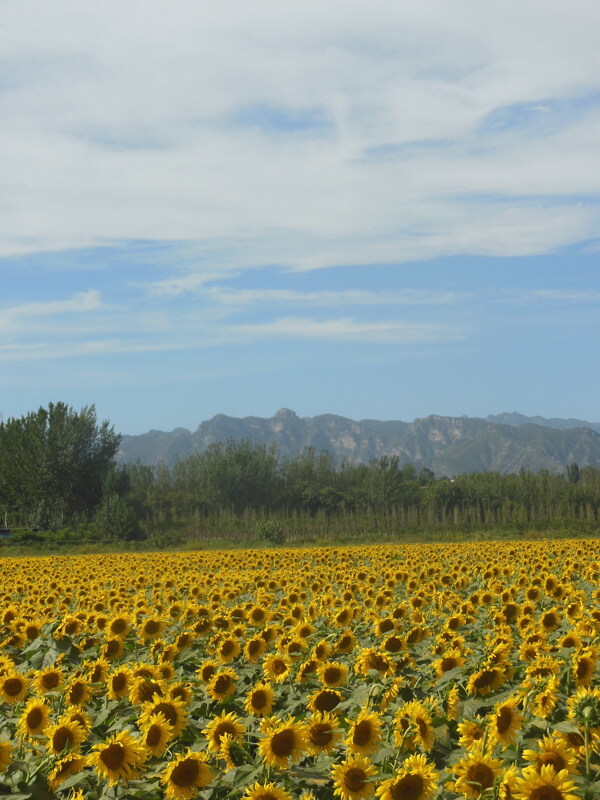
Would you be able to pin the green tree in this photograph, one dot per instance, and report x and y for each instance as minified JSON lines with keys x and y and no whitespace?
{"x":53,"y":464}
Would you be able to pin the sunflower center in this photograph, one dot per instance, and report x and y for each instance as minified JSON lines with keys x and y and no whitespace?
{"x":13,"y":686}
{"x":222,"y":684}
{"x":119,"y":682}
{"x":279,"y":666}
{"x":332,"y":675}
{"x":185,"y":773}
{"x":62,"y":737}
{"x":283,"y":743}
{"x":113,"y":755}
{"x":321,"y":734}
{"x":363,"y":733}
{"x":50,"y":680}
{"x":583,"y":667}
{"x":546,"y":793}
{"x":354,"y":779}
{"x":76,"y":693}
{"x":504,"y":720}
{"x":326,"y":701}
{"x":119,"y":626}
{"x":254,"y":647}
{"x":265,"y":795}
{"x":168,"y":711}
{"x":227,"y":647}
{"x":147,"y":690}
{"x":393,"y":644}
{"x":377,"y":662}
{"x":449,"y":663}
{"x":481,"y":774}
{"x":223,"y":728}
{"x":34,"y":718}
{"x":259,"y":699}
{"x":553,"y":759}
{"x":409,"y":787}
{"x":486,"y":678}
{"x":153,"y":736}
{"x":112,"y":647}
{"x":152,"y":626}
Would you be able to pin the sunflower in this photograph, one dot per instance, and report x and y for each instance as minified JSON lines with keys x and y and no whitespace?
{"x":332,"y":674}
{"x":34,"y":719}
{"x":450,"y":660}
{"x":71,"y":764}
{"x":276,"y":668}
{"x":545,"y":783}
{"x":5,"y":754}
{"x":486,"y":680}
{"x":66,"y":733}
{"x":222,"y":684}
{"x":370,"y":658}
{"x":266,"y":791}
{"x":322,"y":733}
{"x":254,"y":649}
{"x":552,"y":751}
{"x":475,"y":773}
{"x":121,"y":757}
{"x":505,"y":721}
{"x":207,"y":669}
{"x":47,"y":680}
{"x":156,"y":734}
{"x":151,"y":628}
{"x":352,"y":778}
{"x":226,"y":723}
{"x":345,"y":643}
{"x":143,"y":690}
{"x":364,"y":734}
{"x":414,"y":727}
{"x":113,"y":649}
{"x":508,"y":783}
{"x":322,"y":650}
{"x":173,"y":710}
{"x":416,"y":780}
{"x":546,"y":697}
{"x":259,"y":700}
{"x":228,"y":650}
{"x":78,"y":692}
{"x":118,"y":627}
{"x":584,"y":666}
{"x":119,"y":683}
{"x":307,"y":670}
{"x":13,"y":687}
{"x":284,"y":742}
{"x":584,"y":706}
{"x":470,"y":733}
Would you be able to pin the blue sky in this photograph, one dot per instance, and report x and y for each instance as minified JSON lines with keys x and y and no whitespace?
{"x":376,"y":210}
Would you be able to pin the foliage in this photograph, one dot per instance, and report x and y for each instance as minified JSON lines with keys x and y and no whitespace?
{"x":270,"y":531}
{"x":53,"y":465}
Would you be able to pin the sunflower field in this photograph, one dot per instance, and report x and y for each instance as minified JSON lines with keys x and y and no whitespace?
{"x":400,"y":672}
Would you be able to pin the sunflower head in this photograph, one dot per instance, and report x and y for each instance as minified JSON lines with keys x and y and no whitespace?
{"x":352,"y":779}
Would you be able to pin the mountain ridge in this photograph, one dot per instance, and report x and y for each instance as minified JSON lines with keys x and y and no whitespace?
{"x":447,"y":445}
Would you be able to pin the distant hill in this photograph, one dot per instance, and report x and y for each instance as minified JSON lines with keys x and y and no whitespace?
{"x":562,"y":424}
{"x":447,"y":445}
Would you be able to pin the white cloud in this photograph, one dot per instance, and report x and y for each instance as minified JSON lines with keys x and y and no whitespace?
{"x":146,"y":120}
{"x":349,"y":330}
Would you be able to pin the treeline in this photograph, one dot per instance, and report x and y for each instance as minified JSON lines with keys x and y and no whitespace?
{"x":245,"y":479}
{"x":58,"y":473}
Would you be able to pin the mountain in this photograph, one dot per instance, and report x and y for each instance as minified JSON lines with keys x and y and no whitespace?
{"x":447,"y":445}
{"x":562,"y":424}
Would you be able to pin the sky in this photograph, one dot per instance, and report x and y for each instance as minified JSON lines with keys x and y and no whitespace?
{"x":379,"y":210}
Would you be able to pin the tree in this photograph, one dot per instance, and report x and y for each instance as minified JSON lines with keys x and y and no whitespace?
{"x":53,"y":465}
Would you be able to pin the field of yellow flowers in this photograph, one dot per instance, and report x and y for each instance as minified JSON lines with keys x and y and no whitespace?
{"x":394,"y":672}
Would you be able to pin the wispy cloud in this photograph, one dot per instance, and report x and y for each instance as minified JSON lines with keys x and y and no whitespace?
{"x":261,"y":136}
